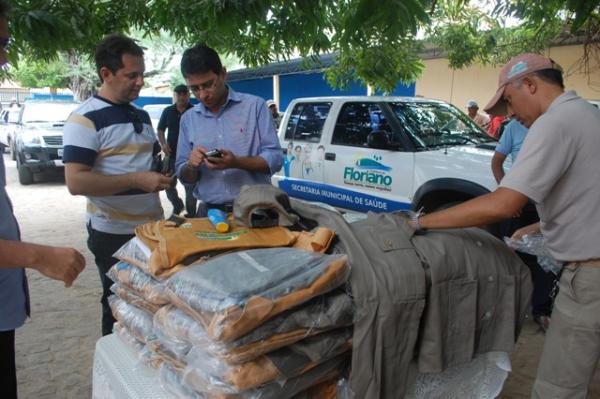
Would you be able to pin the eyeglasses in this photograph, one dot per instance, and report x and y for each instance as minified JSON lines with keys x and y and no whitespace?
{"x":138,"y":125}
{"x":207,"y":86}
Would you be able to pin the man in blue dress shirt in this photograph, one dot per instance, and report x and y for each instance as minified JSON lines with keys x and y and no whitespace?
{"x":57,"y":263}
{"x":239,"y":125}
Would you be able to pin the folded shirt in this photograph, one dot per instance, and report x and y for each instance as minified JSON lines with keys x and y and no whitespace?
{"x":171,"y":381}
{"x":133,"y":298}
{"x":234,"y":293}
{"x":171,"y":245}
{"x":327,"y":371}
{"x":138,"y":322}
{"x":324,"y":313}
{"x":138,"y":282}
{"x":279,"y":365}
{"x":163,"y":248}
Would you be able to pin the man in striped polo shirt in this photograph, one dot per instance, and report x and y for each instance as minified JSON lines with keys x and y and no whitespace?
{"x":109,"y":145}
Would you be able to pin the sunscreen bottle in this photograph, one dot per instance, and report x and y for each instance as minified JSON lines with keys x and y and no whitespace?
{"x":218,"y":218}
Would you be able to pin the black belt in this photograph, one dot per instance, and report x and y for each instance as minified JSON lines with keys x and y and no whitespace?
{"x":227,"y":208}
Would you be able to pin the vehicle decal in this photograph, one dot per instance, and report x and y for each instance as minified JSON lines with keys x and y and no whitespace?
{"x":339,"y":197}
{"x":369,"y":173}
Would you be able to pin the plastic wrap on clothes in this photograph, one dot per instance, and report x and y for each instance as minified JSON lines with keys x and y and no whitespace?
{"x":133,"y":298}
{"x":232,"y":294}
{"x":136,"y":253}
{"x":326,"y":371}
{"x":142,"y":352}
{"x":279,"y":365}
{"x":139,"y":282}
{"x":325,"y":390}
{"x":170,"y":244}
{"x":327,"y":312}
{"x":534,"y":244}
{"x":170,"y":380}
{"x":138,"y":322}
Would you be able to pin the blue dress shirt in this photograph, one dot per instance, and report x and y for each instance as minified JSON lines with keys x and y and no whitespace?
{"x":244,"y":126}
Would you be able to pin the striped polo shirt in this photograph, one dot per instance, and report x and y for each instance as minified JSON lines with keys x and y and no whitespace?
{"x":101,"y":134}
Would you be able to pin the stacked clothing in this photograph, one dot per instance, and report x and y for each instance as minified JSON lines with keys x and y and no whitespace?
{"x":223,"y":320}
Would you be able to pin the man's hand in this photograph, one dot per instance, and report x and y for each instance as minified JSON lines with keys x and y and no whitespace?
{"x":58,"y":263}
{"x":166,"y":148}
{"x":525,"y":231}
{"x":150,"y":181}
{"x":227,"y":161}
{"x":197,"y":157}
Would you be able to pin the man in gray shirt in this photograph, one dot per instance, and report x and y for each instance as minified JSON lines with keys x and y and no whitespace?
{"x":557,"y":169}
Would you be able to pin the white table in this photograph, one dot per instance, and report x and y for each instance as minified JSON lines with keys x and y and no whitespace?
{"x":118,"y":374}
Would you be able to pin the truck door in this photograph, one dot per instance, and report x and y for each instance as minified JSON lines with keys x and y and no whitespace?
{"x":370,"y":179}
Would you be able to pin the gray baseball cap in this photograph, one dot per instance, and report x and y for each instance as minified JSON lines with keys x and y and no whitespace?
{"x":263,"y":205}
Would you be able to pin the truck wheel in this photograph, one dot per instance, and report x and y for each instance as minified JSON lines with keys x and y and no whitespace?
{"x":25,"y":174}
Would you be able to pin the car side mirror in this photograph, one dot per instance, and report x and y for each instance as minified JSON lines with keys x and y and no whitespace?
{"x":379,"y":139}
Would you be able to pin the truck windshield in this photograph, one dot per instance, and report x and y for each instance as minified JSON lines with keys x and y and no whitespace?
{"x":47,"y":112}
{"x":436,"y":124}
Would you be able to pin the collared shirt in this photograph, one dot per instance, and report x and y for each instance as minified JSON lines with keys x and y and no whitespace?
{"x":169,"y":121}
{"x":244,"y":126}
{"x":558,"y":169}
{"x":512,"y":139}
{"x":102,"y":135}
{"x":14,"y":294}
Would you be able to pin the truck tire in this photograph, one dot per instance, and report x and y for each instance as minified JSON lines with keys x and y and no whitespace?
{"x":25,"y":174}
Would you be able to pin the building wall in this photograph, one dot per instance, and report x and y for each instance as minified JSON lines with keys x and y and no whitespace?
{"x":479,"y":82}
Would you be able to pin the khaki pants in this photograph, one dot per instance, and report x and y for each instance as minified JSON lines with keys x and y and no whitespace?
{"x":572,"y":345}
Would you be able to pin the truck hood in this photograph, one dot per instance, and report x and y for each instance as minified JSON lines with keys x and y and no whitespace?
{"x":460,"y":162}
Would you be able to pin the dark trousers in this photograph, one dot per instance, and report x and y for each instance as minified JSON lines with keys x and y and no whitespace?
{"x":173,"y":196}
{"x":8,"y":371}
{"x":103,"y":246}
{"x":544,"y":283}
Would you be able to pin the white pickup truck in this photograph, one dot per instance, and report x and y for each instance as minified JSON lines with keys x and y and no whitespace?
{"x":383,"y":153}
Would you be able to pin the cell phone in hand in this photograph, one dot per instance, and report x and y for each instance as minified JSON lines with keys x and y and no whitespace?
{"x":214,"y":153}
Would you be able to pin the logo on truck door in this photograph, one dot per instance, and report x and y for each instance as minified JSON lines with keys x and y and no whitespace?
{"x":369,"y":173}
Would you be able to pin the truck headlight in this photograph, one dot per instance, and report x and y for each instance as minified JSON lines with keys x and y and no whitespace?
{"x":32,"y":139}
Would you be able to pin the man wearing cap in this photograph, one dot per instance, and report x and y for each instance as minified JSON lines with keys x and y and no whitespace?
{"x":169,"y":120}
{"x":274,"y":113}
{"x":557,"y":169}
{"x":473,"y":111}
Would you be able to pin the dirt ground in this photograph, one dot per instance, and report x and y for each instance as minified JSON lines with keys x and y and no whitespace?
{"x":55,"y":347}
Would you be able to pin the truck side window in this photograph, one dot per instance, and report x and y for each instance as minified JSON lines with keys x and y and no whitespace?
{"x":356,"y":121}
{"x":306,"y":122}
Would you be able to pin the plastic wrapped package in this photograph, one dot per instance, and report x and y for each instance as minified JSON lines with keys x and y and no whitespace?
{"x":279,"y":365}
{"x":139,"y":282}
{"x":323,"y":313}
{"x":232,"y":294}
{"x":133,"y":298}
{"x":170,"y":244}
{"x":127,"y":338}
{"x":331,"y":369}
{"x":534,"y":244}
{"x":136,"y":253}
{"x":144,"y":355}
{"x":138,"y":322}
{"x":325,"y":390}
{"x":172,"y":348}
{"x":170,"y":380}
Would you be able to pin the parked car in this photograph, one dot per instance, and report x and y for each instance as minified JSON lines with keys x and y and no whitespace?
{"x":9,"y":117}
{"x":383,"y":154}
{"x":155,"y":111}
{"x":38,"y":139}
